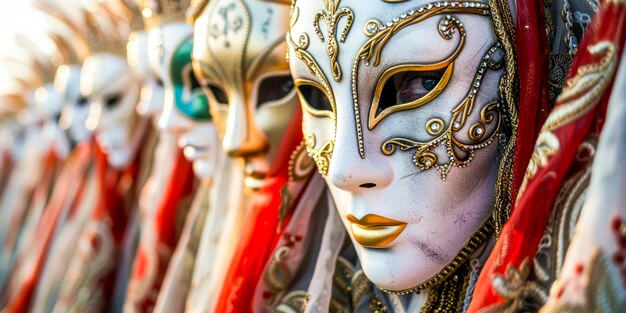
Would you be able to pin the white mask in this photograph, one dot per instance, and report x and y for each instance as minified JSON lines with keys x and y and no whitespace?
{"x":113,"y":91}
{"x":75,"y":107}
{"x":381,"y":95}
{"x":186,"y":109}
{"x":239,"y":55}
{"x":151,"y":101}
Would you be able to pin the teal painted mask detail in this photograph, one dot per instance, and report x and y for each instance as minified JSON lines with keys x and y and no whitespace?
{"x":189,"y":98}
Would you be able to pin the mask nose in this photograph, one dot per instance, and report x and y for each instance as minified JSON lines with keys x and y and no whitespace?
{"x":171,"y":120}
{"x":351,"y":173}
{"x":242,"y":137}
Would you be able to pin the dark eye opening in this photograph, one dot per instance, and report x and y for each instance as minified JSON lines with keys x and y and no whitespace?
{"x":159,"y":82}
{"x":315,"y":98}
{"x":82,"y":101}
{"x":406,"y":87}
{"x":274,"y":88}
{"x":218,"y":93}
{"x":112,"y":101}
{"x":194,"y":81}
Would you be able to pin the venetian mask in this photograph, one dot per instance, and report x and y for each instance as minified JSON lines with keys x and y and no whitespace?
{"x":403,"y":116}
{"x":47,"y":112}
{"x":112,"y":91}
{"x":186,"y":108}
{"x":75,"y":107}
{"x":151,"y":100}
{"x":239,"y":56}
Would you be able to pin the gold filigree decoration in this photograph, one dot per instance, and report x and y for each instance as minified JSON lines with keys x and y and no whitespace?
{"x":293,"y":302}
{"x":322,"y":155}
{"x":472,"y":244}
{"x":332,"y":14}
{"x":516,"y":287}
{"x":360,"y":287}
{"x":446,"y":28}
{"x":425,"y":158}
{"x":277,"y":275}
{"x":300,"y":164}
{"x":547,"y":145}
{"x":382,"y":33}
{"x":582,"y":92}
{"x":449,"y":296}
{"x":286,"y":199}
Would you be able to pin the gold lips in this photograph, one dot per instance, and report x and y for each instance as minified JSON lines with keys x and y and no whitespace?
{"x":375,"y":231}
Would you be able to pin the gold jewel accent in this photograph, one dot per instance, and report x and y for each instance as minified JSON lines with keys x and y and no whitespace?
{"x":322,"y":155}
{"x":445,"y":28}
{"x":332,"y":14}
{"x":472,"y":244}
{"x":581,"y":92}
{"x":382,"y":33}
{"x":435,"y":126}
{"x":425,"y":159}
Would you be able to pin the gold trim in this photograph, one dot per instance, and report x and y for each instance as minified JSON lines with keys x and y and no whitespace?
{"x":504,"y":28}
{"x":332,"y":14}
{"x":448,"y":64}
{"x":305,"y":104}
{"x":382,"y":33}
{"x":425,"y":159}
{"x":472,"y":244}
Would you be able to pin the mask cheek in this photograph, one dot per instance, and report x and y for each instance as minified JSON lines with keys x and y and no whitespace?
{"x":274,"y":118}
{"x":319,"y":136}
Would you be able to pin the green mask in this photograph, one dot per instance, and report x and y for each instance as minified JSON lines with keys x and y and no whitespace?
{"x":189,"y":98}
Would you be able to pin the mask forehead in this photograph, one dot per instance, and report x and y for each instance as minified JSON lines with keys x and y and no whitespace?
{"x":243,"y":40}
{"x":347,"y":47}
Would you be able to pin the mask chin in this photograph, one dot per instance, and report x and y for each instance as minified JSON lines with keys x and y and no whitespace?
{"x":204,"y":169}
{"x":120,"y":158}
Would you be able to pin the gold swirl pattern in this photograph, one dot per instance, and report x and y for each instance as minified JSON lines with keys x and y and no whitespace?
{"x":322,"y":155}
{"x":446,"y":29}
{"x":425,"y":158}
{"x":382,"y":33}
{"x":332,"y":14}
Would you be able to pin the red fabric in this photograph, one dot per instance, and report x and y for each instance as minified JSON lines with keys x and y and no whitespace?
{"x":31,"y":263}
{"x":521,"y":235}
{"x":107,"y":226}
{"x":260,"y":231}
{"x":145,"y":285}
{"x":533,"y":65}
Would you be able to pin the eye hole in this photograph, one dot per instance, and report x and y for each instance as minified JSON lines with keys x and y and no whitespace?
{"x":274,"y":88}
{"x":314,"y":100}
{"x":218,"y":93}
{"x":159,"y":82}
{"x":112,"y":101}
{"x":407,"y":87}
{"x":415,"y":85}
{"x":82,"y":101}
{"x":194,"y":81}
